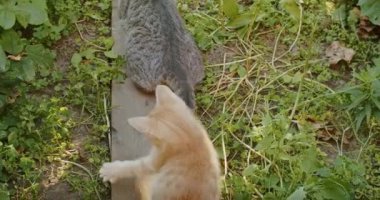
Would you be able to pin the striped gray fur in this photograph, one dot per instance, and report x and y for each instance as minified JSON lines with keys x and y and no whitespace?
{"x":159,"y":50}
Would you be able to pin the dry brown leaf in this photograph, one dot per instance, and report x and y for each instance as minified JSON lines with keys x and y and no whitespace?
{"x":15,"y":58}
{"x":337,"y":52}
{"x":367,"y":30}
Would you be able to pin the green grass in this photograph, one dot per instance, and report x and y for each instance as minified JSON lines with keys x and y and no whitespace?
{"x":276,"y":111}
{"x":286,"y":125}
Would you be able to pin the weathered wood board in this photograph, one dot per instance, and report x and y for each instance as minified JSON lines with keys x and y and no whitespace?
{"x":127,"y":102}
{"x":127,"y":143}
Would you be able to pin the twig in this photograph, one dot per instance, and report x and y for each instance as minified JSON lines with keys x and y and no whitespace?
{"x":86,"y":40}
{"x":234,"y":62}
{"x":87,"y":171}
{"x":251,"y":149}
{"x":297,"y":36}
{"x":296,"y":101}
{"x":108,"y":121}
{"x":225,"y":159}
{"x":275,"y":48}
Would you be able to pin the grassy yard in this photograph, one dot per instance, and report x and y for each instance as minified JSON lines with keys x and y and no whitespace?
{"x":291,"y":97}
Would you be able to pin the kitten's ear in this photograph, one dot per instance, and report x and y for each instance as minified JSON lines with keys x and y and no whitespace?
{"x":146,"y":126}
{"x":165,"y":95}
{"x":141,"y":124}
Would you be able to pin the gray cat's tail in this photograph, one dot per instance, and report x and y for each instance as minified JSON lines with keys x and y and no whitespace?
{"x":187,"y":94}
{"x":184,"y":90}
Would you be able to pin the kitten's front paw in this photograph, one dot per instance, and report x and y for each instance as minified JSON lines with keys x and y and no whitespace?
{"x":110,"y":171}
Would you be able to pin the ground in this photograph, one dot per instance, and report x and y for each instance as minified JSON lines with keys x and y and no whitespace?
{"x":292,"y":114}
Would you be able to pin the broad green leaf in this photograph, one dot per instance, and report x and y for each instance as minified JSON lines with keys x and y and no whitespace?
{"x":324,"y":172}
{"x":7,"y":17}
{"x":371,"y":9}
{"x":26,"y":163}
{"x":36,"y":13}
{"x":309,"y":163}
{"x":340,"y":14}
{"x":25,"y":69}
{"x":334,"y":190}
{"x":3,"y":60}
{"x":76,"y":59}
{"x":291,"y":7}
{"x":40,"y":3}
{"x":240,"y":21}
{"x":110,"y":54}
{"x":297,"y":77}
{"x":264,"y":143}
{"x":88,"y":53}
{"x":287,"y":79}
{"x":22,"y":18}
{"x":230,"y":8}
{"x":298,"y":194}
{"x":250,"y":170}
{"x":11,"y":42}
{"x":40,"y":55}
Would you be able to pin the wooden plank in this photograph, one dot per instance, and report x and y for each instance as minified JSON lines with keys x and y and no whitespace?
{"x":127,"y":144}
{"x":127,"y":102}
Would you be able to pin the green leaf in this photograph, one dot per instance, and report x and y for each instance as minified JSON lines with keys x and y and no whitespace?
{"x":297,"y":77}
{"x":22,"y":19}
{"x":36,"y":13}
{"x":264,"y":143}
{"x":309,"y":162}
{"x":76,"y":59}
{"x":240,"y":21}
{"x":110,"y":54}
{"x":3,"y":60}
{"x":88,"y":53}
{"x":26,"y":163}
{"x":250,"y":170}
{"x":340,"y":14}
{"x":11,"y":42}
{"x":7,"y":17}
{"x":334,"y":190}
{"x":324,"y":172}
{"x":287,"y":79}
{"x":298,"y":194}
{"x":357,"y":100}
{"x":371,"y":9}
{"x":230,"y":8}
{"x":4,"y":194}
{"x":376,"y":61}
{"x":25,"y":69}
{"x":376,"y":102}
{"x":40,"y":55}
{"x":40,"y":3}
{"x":242,"y":71}
{"x":291,"y":7}
{"x":359,"y":119}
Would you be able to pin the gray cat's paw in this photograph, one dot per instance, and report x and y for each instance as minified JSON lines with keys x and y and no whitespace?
{"x":111,"y":171}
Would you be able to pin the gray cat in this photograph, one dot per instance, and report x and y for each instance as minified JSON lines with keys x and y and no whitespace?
{"x":158,"y":49}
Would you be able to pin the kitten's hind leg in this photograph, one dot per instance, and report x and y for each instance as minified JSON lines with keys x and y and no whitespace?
{"x":116,"y":170}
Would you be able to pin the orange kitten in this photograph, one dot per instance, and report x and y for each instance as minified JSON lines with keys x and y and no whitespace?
{"x":182,"y":164}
